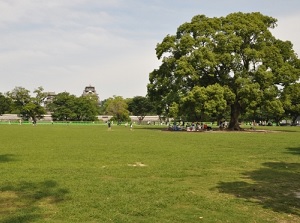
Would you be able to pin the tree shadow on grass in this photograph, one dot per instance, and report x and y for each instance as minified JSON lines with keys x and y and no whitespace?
{"x":26,"y":201}
{"x":275,"y":186}
{"x":4,"y":158}
{"x":294,"y":151}
{"x":158,"y":128}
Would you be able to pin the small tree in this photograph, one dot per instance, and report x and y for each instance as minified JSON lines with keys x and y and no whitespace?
{"x":140,"y":106}
{"x":27,"y":106}
{"x":117,"y":107}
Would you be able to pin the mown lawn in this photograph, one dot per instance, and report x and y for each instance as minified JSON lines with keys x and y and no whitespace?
{"x":85,"y":173}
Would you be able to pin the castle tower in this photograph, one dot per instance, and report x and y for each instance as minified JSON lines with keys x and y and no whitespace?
{"x":90,"y":90}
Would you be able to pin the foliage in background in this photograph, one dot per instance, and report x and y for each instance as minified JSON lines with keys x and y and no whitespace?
{"x":87,"y":108}
{"x":118,"y":108}
{"x":26,"y":106}
{"x":140,"y":106}
{"x":67,"y":107}
{"x":5,"y":104}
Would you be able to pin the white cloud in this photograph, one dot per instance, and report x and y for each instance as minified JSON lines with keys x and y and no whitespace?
{"x":68,"y":44}
{"x":288,"y":29}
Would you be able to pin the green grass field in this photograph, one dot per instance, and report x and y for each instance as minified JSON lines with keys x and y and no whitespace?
{"x":85,"y":173}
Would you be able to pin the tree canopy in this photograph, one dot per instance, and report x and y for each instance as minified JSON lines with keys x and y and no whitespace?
{"x":27,"y":106}
{"x":68,"y":107}
{"x":140,"y":106}
{"x":118,"y":108}
{"x":236,"y":54}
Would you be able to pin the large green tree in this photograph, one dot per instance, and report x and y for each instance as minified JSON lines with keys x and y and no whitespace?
{"x":86,"y":108}
{"x":68,"y":107}
{"x":63,"y":107}
{"x":238,"y":52}
{"x":26,"y":105}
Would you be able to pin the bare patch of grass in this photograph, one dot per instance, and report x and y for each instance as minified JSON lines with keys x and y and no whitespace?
{"x":9,"y":202}
{"x":137,"y":164}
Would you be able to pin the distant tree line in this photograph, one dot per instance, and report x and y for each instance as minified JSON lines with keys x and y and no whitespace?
{"x":68,"y":107}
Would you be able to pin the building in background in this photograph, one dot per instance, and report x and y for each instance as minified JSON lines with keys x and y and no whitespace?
{"x":91,"y":91}
{"x":49,"y":98}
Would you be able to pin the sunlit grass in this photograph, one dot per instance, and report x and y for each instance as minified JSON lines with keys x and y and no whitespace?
{"x":86,"y":173}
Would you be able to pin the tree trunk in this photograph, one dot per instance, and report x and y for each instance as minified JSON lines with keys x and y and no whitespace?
{"x":234,"y":117}
{"x":140,"y":118}
{"x":294,"y":118}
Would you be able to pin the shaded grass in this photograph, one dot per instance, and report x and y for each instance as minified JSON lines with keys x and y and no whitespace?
{"x":7,"y":158}
{"x":88,"y":174}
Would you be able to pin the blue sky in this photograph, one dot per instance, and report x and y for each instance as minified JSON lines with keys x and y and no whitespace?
{"x":65,"y":45}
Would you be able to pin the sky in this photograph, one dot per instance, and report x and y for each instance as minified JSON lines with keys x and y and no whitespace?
{"x":66,"y":45}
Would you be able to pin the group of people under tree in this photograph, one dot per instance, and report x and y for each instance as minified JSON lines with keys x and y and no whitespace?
{"x":186,"y":126}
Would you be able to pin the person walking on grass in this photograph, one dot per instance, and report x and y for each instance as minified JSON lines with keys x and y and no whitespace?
{"x":109,"y":125}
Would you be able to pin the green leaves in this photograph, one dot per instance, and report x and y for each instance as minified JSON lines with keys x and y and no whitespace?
{"x":117,"y":107}
{"x":140,"y":106}
{"x":210,"y":100}
{"x":166,"y":46}
{"x":291,"y":100}
{"x":5,"y":104}
{"x":237,"y":52}
{"x":67,"y":107}
{"x":27,"y":106}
